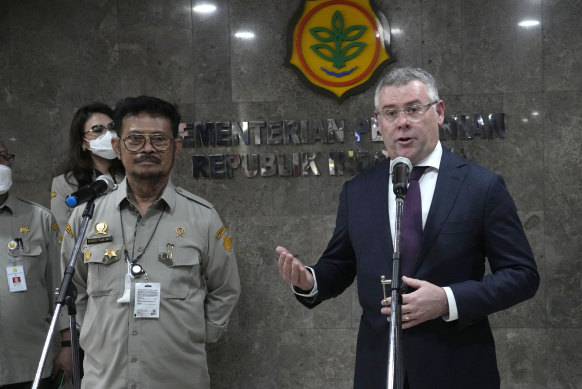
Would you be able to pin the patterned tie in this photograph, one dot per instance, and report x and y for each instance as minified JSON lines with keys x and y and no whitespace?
{"x":411,"y":223}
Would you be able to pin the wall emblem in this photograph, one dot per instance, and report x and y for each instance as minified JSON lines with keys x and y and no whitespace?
{"x":338,"y":46}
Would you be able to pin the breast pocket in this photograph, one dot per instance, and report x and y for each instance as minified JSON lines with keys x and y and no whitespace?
{"x":105,"y":269}
{"x":180,"y":271}
{"x":32,"y":262}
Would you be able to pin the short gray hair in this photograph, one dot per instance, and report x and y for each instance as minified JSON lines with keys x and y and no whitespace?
{"x":402,"y":76}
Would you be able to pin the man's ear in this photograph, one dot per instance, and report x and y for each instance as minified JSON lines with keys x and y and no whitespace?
{"x":177,"y":145}
{"x":440,"y":109}
{"x":116,"y":144}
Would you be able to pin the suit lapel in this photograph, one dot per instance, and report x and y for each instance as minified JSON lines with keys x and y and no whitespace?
{"x":377,"y":187}
{"x":450,"y":179}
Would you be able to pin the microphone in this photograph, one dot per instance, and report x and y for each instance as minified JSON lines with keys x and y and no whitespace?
{"x":102,"y":185}
{"x":400,"y":169}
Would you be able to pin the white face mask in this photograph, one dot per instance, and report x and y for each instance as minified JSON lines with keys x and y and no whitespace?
{"x":5,"y":179}
{"x":102,"y":145}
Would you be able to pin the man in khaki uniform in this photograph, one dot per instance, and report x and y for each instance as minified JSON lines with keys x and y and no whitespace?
{"x":157,"y":277}
{"x":29,"y":253}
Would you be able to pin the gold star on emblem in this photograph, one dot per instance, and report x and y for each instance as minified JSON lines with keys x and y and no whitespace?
{"x":24,"y":229}
{"x":110,"y":253}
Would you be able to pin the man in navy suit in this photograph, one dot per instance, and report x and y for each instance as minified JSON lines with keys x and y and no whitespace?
{"x":468,"y":217}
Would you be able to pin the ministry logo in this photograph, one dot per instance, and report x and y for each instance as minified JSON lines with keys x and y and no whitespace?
{"x":338,"y":46}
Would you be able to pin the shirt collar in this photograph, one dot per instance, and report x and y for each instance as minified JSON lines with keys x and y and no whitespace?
{"x":433,"y":160}
{"x":9,"y":205}
{"x":168,"y":195}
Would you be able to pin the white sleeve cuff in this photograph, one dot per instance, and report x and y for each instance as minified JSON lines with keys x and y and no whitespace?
{"x":313,"y":292}
{"x":453,"y":313}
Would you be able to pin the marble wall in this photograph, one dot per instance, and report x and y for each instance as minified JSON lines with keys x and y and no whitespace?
{"x":58,"y":55}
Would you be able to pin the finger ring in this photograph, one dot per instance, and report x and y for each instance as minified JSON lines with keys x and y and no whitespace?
{"x":406,"y":317}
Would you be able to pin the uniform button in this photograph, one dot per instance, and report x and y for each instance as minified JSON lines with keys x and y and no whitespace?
{"x":134,"y":359}
{"x":134,"y":332}
{"x":140,"y":249}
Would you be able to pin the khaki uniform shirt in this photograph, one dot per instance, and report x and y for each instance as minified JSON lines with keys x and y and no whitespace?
{"x":25,"y":316}
{"x":187,"y":250}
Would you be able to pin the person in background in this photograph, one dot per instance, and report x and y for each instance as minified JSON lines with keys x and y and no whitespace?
{"x":90,"y":155}
{"x":157,"y":277}
{"x":465,"y":216}
{"x":30,"y":245}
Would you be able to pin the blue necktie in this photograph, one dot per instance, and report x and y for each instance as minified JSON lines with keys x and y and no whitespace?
{"x":411,"y":223}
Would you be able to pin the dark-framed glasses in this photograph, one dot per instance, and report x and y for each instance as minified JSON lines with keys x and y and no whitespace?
{"x":136,"y":142}
{"x":412,"y":112}
{"x":100,"y":128}
{"x":6,"y":159}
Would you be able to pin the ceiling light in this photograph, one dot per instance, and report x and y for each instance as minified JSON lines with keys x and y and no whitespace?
{"x":528,"y":23}
{"x":245,"y":35}
{"x":204,"y":8}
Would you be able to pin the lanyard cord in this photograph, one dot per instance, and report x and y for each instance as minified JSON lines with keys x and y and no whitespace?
{"x":125,"y":253}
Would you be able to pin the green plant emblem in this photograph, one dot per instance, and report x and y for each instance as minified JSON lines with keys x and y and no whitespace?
{"x":335,"y":53}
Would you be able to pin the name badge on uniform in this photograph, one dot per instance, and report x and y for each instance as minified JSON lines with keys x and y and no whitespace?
{"x":147,"y":300}
{"x":100,"y":229}
{"x":16,"y":280}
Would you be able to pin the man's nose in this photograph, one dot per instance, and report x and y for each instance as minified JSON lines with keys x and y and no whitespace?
{"x":402,"y":118}
{"x":148,"y":146}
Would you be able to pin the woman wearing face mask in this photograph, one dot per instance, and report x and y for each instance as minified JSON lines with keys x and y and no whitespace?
{"x":90,"y":155}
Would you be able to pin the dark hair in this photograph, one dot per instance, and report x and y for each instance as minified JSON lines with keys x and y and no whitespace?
{"x":133,"y":106}
{"x":79,"y":162}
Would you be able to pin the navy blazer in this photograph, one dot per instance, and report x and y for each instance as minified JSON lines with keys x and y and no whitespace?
{"x":472,"y":218}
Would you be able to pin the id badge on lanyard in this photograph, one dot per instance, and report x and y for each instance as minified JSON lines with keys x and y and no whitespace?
{"x":16,"y":279}
{"x":147,"y":300}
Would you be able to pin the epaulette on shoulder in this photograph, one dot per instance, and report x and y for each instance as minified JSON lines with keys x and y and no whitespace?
{"x":34,"y":204}
{"x":193,"y":197}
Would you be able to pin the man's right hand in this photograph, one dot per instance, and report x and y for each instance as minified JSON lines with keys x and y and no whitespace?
{"x":293,"y":271}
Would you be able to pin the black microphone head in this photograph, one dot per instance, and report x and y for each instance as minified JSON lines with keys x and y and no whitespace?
{"x":102,"y":185}
{"x":400,"y":169}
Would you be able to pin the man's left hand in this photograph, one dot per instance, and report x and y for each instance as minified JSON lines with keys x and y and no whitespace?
{"x":427,"y":302}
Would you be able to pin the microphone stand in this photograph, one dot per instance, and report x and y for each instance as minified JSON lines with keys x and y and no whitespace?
{"x":394,"y":378}
{"x":67,"y":295}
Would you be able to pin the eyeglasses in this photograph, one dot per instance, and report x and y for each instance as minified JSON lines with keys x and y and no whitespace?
{"x":412,"y":112}
{"x":136,"y":142}
{"x":99,"y":128}
{"x":6,"y":159}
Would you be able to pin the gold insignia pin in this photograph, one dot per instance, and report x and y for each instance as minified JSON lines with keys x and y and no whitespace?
{"x":220,"y":232}
{"x":180,"y":232}
{"x":87,"y":255}
{"x":227,"y":243}
{"x":53,"y":194}
{"x":55,"y":226}
{"x":101,"y":228}
{"x":110,"y":253}
{"x":69,"y":230}
{"x":24,"y":229}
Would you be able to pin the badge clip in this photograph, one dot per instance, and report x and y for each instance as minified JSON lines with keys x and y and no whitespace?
{"x":167,"y":257}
